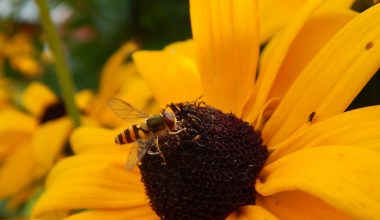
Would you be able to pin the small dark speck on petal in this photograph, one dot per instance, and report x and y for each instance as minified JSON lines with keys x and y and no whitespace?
{"x":369,"y":45}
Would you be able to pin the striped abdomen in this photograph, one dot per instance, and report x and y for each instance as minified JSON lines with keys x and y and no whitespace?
{"x":132,"y":133}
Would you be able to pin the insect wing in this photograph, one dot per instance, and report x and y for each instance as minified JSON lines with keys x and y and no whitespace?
{"x":125,"y":110}
{"x":137,"y":152}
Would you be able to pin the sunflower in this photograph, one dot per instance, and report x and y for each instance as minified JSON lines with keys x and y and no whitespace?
{"x":318,"y":161}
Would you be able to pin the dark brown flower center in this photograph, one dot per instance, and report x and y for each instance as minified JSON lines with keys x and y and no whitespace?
{"x":210,"y":167}
{"x":53,"y":111}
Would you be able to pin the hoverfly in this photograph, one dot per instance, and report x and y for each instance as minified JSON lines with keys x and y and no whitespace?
{"x":145,"y":134}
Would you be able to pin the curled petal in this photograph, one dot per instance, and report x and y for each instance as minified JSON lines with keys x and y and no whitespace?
{"x":344,"y":177}
{"x":356,"y":127}
{"x":299,"y":205}
{"x":319,"y":88}
{"x":273,"y":56}
{"x":91,"y":182}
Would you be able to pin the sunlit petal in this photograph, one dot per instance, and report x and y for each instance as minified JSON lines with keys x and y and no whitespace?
{"x":316,"y":32}
{"x":91,"y":181}
{"x":356,"y":127}
{"x":46,"y":152}
{"x":274,"y":14}
{"x":274,"y":54}
{"x":333,"y":72}
{"x":299,"y":205}
{"x":95,"y":140}
{"x":171,"y":74}
{"x":37,"y":97}
{"x":344,"y":177}
{"x":226,"y":41}
{"x":254,"y":212}
{"x":111,"y":78}
{"x":14,"y":120}
{"x":17,"y":170}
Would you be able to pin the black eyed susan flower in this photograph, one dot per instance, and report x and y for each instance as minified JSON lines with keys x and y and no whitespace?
{"x":304,"y":159}
{"x":23,"y":162}
{"x":33,"y":139}
{"x":119,"y":77}
{"x":21,"y":54}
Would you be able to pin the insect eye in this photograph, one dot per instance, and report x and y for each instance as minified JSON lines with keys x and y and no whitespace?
{"x":169,"y":119}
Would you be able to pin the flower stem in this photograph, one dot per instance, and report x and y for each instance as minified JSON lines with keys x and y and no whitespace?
{"x":63,"y":73}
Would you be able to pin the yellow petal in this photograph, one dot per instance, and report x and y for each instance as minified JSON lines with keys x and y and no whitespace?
{"x":344,"y":177}
{"x":185,"y":48}
{"x":110,"y":79}
{"x":356,"y":127}
{"x":272,"y":58}
{"x":299,"y":205}
{"x":95,"y":140}
{"x":17,"y":170}
{"x":232,"y":216}
{"x":274,"y":14}
{"x":18,"y":44}
{"x":373,"y":144}
{"x":226,"y":41}
{"x":254,"y":212}
{"x":47,"y":152}
{"x":171,"y":75}
{"x":119,"y":78}
{"x":27,"y":65}
{"x":131,"y":213}
{"x":309,"y":41}
{"x":331,"y":80}
{"x":143,"y":99}
{"x":14,"y":120}
{"x":15,"y":128}
{"x":266,"y":112}
{"x":83,"y":99}
{"x":20,"y":198}
{"x":132,"y":89}
{"x":37,"y":97}
{"x":91,"y":182}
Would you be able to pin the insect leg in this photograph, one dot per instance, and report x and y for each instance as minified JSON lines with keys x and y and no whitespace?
{"x":195,"y":119}
{"x":159,"y":151}
{"x":176,"y":132}
{"x":197,"y":103}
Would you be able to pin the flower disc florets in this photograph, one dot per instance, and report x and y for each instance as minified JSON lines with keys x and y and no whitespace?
{"x":53,"y":111}
{"x":210,"y":166}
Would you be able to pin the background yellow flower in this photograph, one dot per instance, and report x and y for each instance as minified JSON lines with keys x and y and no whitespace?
{"x":21,"y":53}
{"x":33,"y":141}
